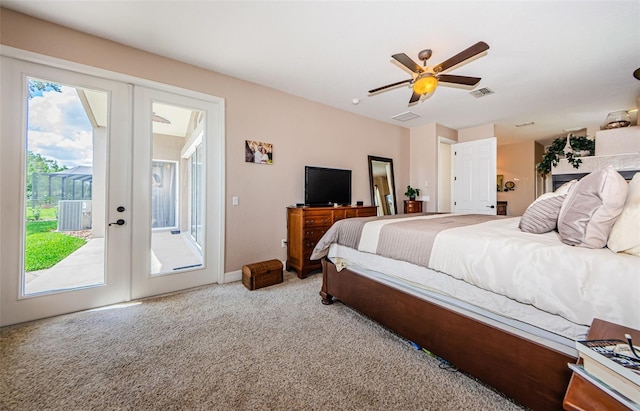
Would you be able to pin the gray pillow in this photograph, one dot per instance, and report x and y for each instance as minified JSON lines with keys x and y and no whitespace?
{"x":542,"y":215}
{"x":591,"y":208}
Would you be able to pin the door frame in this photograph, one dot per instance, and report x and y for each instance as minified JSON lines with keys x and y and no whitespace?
{"x":216,"y":171}
{"x":445,"y":185}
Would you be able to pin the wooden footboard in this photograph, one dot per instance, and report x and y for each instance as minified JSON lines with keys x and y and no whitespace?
{"x":530,"y":373}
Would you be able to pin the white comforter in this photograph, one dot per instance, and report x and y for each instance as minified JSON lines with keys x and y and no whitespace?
{"x":576,"y":283}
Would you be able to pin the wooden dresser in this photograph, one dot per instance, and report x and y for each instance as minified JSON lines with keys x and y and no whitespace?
{"x":412,"y":206}
{"x":306,"y":225}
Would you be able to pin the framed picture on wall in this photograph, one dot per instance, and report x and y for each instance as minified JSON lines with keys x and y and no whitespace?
{"x":258,"y":152}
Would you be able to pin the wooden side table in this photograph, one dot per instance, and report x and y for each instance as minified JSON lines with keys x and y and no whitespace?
{"x":502,"y":208}
{"x":412,"y":206}
{"x":581,"y":394}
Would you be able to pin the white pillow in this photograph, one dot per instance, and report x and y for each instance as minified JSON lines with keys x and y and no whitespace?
{"x":591,"y":208}
{"x":625,"y":234}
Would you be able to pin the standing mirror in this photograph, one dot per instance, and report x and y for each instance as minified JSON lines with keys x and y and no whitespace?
{"x":383,"y":187}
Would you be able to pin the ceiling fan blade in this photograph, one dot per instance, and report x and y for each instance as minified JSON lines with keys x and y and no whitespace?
{"x":414,"y":97}
{"x":473,"y":51}
{"x":408,"y":62}
{"x":375,"y":90}
{"x":464,"y":80}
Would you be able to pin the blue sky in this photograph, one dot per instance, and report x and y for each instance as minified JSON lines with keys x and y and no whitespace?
{"x":59,"y":129}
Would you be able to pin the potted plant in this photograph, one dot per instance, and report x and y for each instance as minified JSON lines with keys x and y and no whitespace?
{"x":578,"y":144}
{"x":412,"y":193}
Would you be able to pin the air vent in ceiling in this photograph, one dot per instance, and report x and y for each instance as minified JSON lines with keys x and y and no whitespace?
{"x":406,"y":116}
{"x":481,"y":92}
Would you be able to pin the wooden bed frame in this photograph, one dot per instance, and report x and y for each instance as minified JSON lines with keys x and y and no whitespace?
{"x":532,"y":374}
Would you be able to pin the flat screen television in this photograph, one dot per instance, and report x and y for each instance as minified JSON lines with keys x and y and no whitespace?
{"x":326,"y":186}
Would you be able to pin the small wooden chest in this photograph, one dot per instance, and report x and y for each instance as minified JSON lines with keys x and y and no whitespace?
{"x":262,"y":274}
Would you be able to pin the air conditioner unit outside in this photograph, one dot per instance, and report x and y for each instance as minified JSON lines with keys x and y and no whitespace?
{"x":74,"y":215}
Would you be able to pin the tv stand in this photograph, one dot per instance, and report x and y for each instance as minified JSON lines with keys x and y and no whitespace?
{"x":306,"y":225}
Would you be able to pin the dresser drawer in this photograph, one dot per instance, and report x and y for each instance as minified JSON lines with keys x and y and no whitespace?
{"x":366,"y":212}
{"x":313,"y":234}
{"x":317,"y":219}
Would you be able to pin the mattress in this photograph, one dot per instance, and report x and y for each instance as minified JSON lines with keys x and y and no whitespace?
{"x":463,"y":297}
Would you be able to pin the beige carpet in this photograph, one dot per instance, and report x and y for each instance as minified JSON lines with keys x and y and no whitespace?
{"x":226,"y":348}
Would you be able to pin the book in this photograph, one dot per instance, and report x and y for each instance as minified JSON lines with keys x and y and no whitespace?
{"x":620,"y":397}
{"x":607,"y":361}
{"x":607,"y":353}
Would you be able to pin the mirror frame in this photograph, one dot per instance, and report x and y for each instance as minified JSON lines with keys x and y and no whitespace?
{"x":393,"y":180}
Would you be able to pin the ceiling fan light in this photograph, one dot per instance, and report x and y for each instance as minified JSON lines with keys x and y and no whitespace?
{"x":425,"y":84}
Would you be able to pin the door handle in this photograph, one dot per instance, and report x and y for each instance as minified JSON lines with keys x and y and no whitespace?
{"x":118,"y":222}
{"x":491,"y":206}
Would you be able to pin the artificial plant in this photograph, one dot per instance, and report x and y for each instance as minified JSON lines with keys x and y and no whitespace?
{"x":556,"y":150}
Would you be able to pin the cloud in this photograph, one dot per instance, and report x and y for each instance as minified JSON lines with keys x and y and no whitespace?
{"x":58,"y":128}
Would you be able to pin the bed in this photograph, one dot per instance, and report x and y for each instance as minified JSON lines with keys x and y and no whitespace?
{"x":503,"y":305}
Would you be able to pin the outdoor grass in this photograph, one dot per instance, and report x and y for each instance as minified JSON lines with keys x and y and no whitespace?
{"x":44,"y":213}
{"x":44,"y":248}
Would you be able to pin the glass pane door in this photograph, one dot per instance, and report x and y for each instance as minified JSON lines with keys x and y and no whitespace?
{"x":172,"y":148}
{"x":176,"y":138}
{"x":64,"y":171}
{"x":196,"y":197}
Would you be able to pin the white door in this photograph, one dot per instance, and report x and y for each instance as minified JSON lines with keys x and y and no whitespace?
{"x":70,"y":135}
{"x":474,"y":177}
{"x":177,"y":196}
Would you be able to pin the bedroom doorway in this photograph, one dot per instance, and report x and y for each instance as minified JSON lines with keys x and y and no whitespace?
{"x":445,"y":179}
{"x":474,"y":182}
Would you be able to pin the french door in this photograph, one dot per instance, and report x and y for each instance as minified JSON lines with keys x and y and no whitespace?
{"x":102,"y":199}
{"x":177,"y":176}
{"x":74,"y":124}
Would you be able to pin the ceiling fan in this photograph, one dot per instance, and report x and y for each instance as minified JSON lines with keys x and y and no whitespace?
{"x":425,"y":79}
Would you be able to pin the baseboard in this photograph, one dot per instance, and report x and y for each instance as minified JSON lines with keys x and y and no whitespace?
{"x":232,"y":276}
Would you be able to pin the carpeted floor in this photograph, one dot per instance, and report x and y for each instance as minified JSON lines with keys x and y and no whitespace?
{"x":226,"y":348}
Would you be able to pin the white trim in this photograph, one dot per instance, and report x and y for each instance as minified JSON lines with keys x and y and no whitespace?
{"x":232,"y":276}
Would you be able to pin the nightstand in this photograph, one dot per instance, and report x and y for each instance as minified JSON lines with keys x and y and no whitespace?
{"x":412,"y":206}
{"x":502,"y":208}
{"x":581,"y":394}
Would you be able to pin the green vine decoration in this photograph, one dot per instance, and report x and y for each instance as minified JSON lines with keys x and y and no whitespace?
{"x":556,"y":150}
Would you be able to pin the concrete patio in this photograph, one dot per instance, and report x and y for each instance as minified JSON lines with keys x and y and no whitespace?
{"x":85,"y":266}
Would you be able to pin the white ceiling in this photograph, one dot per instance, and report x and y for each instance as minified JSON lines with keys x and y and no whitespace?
{"x":560,"y":65}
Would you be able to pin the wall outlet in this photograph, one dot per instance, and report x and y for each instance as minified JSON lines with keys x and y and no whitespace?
{"x":283,"y":243}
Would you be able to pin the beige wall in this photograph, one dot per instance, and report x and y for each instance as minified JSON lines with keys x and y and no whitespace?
{"x":424,"y":162}
{"x":517,"y":163}
{"x":167,"y":147}
{"x":476,"y":133}
{"x":301,"y":131}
